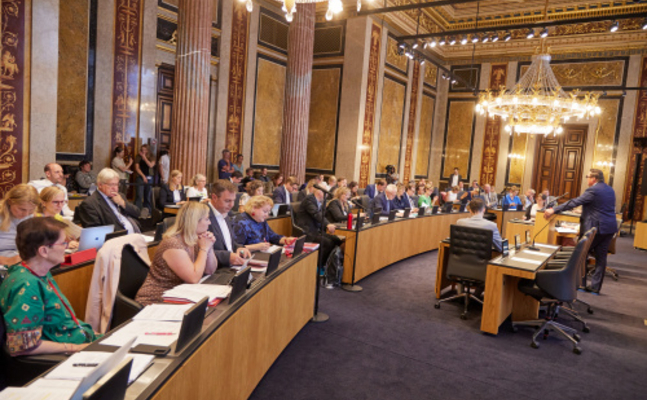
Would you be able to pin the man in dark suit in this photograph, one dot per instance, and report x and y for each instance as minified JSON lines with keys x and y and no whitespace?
{"x":384,"y":200}
{"x":373,"y":189}
{"x":282,"y":194}
{"x":106,"y":206}
{"x":307,"y":190}
{"x":598,"y":211}
{"x":309,"y":219}
{"x":454,"y":178}
{"x":228,"y":252}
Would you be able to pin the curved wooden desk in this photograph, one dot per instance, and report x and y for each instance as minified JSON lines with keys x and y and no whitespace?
{"x":640,"y":238}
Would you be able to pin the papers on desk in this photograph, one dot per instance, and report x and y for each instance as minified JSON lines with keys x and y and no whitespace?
{"x":37,"y":393}
{"x":192,"y":293}
{"x":149,"y":239}
{"x":272,"y":249}
{"x":79,"y":365}
{"x":560,"y":229}
{"x":546,"y":246}
{"x":384,"y":219}
{"x":163,"y":312}
{"x":527,"y":260}
{"x":155,"y":333}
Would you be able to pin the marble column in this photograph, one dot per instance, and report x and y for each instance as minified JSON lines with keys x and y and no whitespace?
{"x":294,"y":143}
{"x":191,"y":95}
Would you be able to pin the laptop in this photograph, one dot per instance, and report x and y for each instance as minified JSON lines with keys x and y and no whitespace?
{"x":359,"y":223}
{"x":116,"y":234}
{"x":519,"y":207}
{"x":376,"y":216}
{"x":505,"y":207}
{"x":195,"y":198}
{"x":407,"y":212}
{"x":447,"y":208}
{"x":191,"y":323}
{"x":280,"y":209}
{"x":298,"y":246}
{"x":462,"y":208}
{"x":421,"y":211}
{"x":434,"y":210}
{"x":392,"y":214}
{"x":94,"y":237}
{"x":239,"y":283}
{"x":273,"y":263}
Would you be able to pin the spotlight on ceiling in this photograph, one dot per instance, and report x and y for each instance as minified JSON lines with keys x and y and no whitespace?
{"x":464,"y":40}
{"x":507,"y":36}
{"x":415,"y":45}
{"x":544,"y":32}
{"x":645,"y":24}
{"x":402,"y":45}
{"x":531,"y":33}
{"x":495,"y":38}
{"x":614,"y":26}
{"x":453,"y":81}
{"x":452,"y":41}
{"x":444,"y":76}
{"x":475,"y":38}
{"x":433,"y":43}
{"x":442,"y":41}
{"x":485,"y":38}
{"x":422,"y":61}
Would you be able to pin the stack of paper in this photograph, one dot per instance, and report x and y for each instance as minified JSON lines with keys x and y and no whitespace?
{"x":163,"y":312}
{"x":272,"y":249}
{"x":156,"y":333}
{"x":192,"y":293}
{"x":36,"y":393}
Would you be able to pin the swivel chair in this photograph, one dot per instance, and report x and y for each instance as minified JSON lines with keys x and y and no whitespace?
{"x":469,"y":254}
{"x":294,"y":211}
{"x":552,"y":288}
{"x":133,"y":272}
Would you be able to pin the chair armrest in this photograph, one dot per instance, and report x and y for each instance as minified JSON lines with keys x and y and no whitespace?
{"x":555,"y":264}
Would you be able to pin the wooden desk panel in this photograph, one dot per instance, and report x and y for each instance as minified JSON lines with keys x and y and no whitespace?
{"x":502,"y":218}
{"x":513,"y":229}
{"x":640,"y":237}
{"x":549,"y":234}
{"x":281,"y":225}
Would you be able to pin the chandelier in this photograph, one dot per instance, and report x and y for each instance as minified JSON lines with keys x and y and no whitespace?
{"x":290,"y":7}
{"x":537,"y":104}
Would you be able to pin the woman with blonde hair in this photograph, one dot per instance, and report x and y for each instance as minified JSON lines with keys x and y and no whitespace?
{"x":18,"y":204}
{"x":52,"y":201}
{"x":251,"y":228}
{"x":185,"y":254}
{"x":338,"y":208}
{"x":198,"y":187}
{"x":173,"y":192}
{"x":254,"y":188}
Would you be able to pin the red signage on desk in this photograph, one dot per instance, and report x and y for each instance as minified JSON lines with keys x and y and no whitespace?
{"x":79,"y":257}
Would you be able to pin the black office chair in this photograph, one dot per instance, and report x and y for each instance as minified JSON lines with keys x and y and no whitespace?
{"x":361,"y":191}
{"x":294,"y":211}
{"x":234,"y":209}
{"x":366,"y":201}
{"x":469,"y":254}
{"x":133,"y":272}
{"x":552,"y":288}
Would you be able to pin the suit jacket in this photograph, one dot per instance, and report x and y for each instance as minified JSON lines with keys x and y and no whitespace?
{"x":309,"y":215}
{"x":449,"y":182}
{"x":280,"y":196}
{"x":482,"y":223}
{"x":370,"y":191}
{"x":95,"y":211}
{"x":335,"y":212}
{"x":401,"y":203}
{"x":598,"y":209}
{"x":166,"y":196}
{"x":302,"y":195}
{"x":220,"y":247}
{"x":380,"y":201}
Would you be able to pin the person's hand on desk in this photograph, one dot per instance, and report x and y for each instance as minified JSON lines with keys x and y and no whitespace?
{"x":549,"y":213}
{"x":287,"y":240}
{"x":239,"y":257}
{"x":331,"y":228}
{"x":258,"y":246}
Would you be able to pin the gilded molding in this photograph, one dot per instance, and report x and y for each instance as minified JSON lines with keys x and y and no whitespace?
{"x":393,"y":59}
{"x":413,"y":107}
{"x":602,"y":73}
{"x":492,"y":135}
{"x":237,"y":72}
{"x":369,"y":108}
{"x":431,"y":74}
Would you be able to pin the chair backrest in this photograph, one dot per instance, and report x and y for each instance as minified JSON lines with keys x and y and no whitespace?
{"x":156,"y":196}
{"x":237,"y":202}
{"x":133,"y":272}
{"x":612,"y":245}
{"x":360,"y":191}
{"x":366,"y":201}
{"x":561,"y":284}
{"x":294,"y":216}
{"x":470,"y":252}
{"x":167,"y":223}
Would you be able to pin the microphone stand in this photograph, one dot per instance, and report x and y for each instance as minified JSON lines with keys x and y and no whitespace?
{"x":353,"y":287}
{"x":533,"y":247}
{"x":320,"y":317}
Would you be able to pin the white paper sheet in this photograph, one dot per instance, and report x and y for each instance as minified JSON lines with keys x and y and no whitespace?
{"x":157,"y":333}
{"x":195,"y":292}
{"x":527,"y":260}
{"x":73,"y":368}
{"x":29,"y":393}
{"x":163,"y":312}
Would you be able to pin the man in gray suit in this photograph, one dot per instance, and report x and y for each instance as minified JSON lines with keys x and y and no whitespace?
{"x":477,"y":208}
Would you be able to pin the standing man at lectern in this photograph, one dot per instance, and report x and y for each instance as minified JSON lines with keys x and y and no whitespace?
{"x":598,"y":211}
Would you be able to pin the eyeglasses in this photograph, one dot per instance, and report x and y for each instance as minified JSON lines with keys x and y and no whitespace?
{"x":66,"y":244}
{"x":59,"y":202}
{"x":591,"y":176}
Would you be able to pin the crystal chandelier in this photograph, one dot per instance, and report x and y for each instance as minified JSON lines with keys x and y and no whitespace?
{"x":537,"y":104}
{"x":290,"y":7}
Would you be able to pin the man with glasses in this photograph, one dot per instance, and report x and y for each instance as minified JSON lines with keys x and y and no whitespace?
{"x":106,"y":206}
{"x":598,"y":211}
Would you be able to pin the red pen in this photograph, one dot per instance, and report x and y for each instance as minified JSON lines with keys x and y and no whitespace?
{"x":159,"y":333}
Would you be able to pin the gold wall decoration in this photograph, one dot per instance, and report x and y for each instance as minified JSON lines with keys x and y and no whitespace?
{"x":390,"y":140}
{"x":577,"y":74}
{"x":424,"y":135}
{"x":605,"y":135}
{"x":237,"y":73}
{"x":14,"y":92}
{"x":72,"y":96}
{"x":458,"y":137}
{"x":492,"y":135}
{"x":322,"y":125}
{"x":517,"y":166}
{"x":369,"y":108}
{"x":127,"y":67}
{"x":595,"y":27}
{"x":393,"y":59}
{"x":268,"y":113}
{"x":411,"y":129}
{"x":431,"y":74}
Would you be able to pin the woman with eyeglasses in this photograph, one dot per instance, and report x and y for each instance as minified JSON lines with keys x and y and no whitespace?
{"x":18,"y":204}
{"x":52,"y":201}
{"x":39,"y":318}
{"x":251,"y":229}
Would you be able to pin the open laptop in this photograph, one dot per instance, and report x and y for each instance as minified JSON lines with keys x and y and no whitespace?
{"x":298,"y":246}
{"x":273,"y":263}
{"x":392,"y":214}
{"x":191,"y":323}
{"x":239,"y":283}
{"x":505,"y":207}
{"x":407,"y":212}
{"x":421,"y":211}
{"x":195,"y":198}
{"x":447,"y":208}
{"x":116,"y":234}
{"x":519,"y":207}
{"x":434,"y":210}
{"x":94,"y":237}
{"x":376,"y":216}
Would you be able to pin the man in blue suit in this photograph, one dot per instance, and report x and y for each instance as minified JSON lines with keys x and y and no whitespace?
{"x":373,"y":189}
{"x":598,"y":211}
{"x":282,"y":194}
{"x":384,"y":200}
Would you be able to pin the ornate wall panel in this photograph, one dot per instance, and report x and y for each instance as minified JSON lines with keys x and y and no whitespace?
{"x":72,"y":76}
{"x":127,"y":66}
{"x":517,"y":165}
{"x":268,"y":113}
{"x":237,"y":73}
{"x":390,"y":140}
{"x":411,"y":129}
{"x":423,"y":147}
{"x":393,"y":59}
{"x":459,"y":133}
{"x":606,"y":136}
{"x":639,"y":146}
{"x":369,"y":108}
{"x":492,"y":131}
{"x":584,"y":74}
{"x":469,"y":74}
{"x":431,"y":74}
{"x":14,"y":89}
{"x":323,"y":122}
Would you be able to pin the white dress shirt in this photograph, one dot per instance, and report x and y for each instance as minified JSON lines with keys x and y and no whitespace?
{"x":43,"y":183}
{"x":224,"y":228}
{"x":453,"y":181}
{"x":122,"y":218}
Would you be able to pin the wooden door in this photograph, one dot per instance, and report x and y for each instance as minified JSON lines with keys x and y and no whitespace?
{"x":559,"y":160}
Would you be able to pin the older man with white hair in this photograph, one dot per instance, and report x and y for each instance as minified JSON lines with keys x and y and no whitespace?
{"x":54,"y":176}
{"x":106,"y":206}
{"x":384,"y":200}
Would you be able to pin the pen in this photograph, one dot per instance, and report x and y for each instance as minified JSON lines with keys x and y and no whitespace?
{"x":85,"y":365}
{"x":159,"y":333}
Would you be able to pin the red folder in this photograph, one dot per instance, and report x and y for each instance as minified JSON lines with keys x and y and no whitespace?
{"x":79,"y":257}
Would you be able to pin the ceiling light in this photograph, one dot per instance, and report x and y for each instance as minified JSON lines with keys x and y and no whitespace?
{"x":433,"y":43}
{"x":422,"y":61}
{"x":544,"y":33}
{"x":531,"y":33}
{"x":424,"y":45}
{"x":415,"y":45}
{"x":402,"y":45}
{"x":464,"y":40}
{"x":645,"y":24}
{"x":453,"y":81}
{"x":507,"y":36}
{"x":495,"y":37}
{"x":444,"y":76}
{"x":452,"y":41}
{"x":485,"y":38}
{"x":615,"y":26}
{"x":475,"y":38}
{"x":442,"y":41}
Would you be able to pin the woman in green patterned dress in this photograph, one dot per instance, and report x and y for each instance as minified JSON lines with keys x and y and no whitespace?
{"x":38,"y":317}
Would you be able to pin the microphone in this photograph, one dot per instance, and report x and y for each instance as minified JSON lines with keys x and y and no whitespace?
{"x":552,"y":203}
{"x":316,"y":186}
{"x":533,"y":247}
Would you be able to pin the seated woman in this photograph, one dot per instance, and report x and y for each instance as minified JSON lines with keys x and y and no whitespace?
{"x":423,"y":196}
{"x":511,"y":199}
{"x":52,"y":200}
{"x":251,"y":229}
{"x":198,"y":187}
{"x":538,"y":206}
{"x":451,"y":195}
{"x":254,"y":188}
{"x":38,"y":316}
{"x":354,"y":194}
{"x":173,"y":193}
{"x":18,"y":204}
{"x":338,"y":208}
{"x":184,"y":255}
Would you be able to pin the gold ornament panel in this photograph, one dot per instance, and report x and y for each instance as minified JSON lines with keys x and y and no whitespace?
{"x":390,"y":140}
{"x":605,"y":134}
{"x":518,"y":165}
{"x":268,"y":113}
{"x":393,"y":59}
{"x":424,"y":135}
{"x":578,"y":74}
{"x":322,"y":126}
{"x":431,"y":74}
{"x":458,"y":136}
